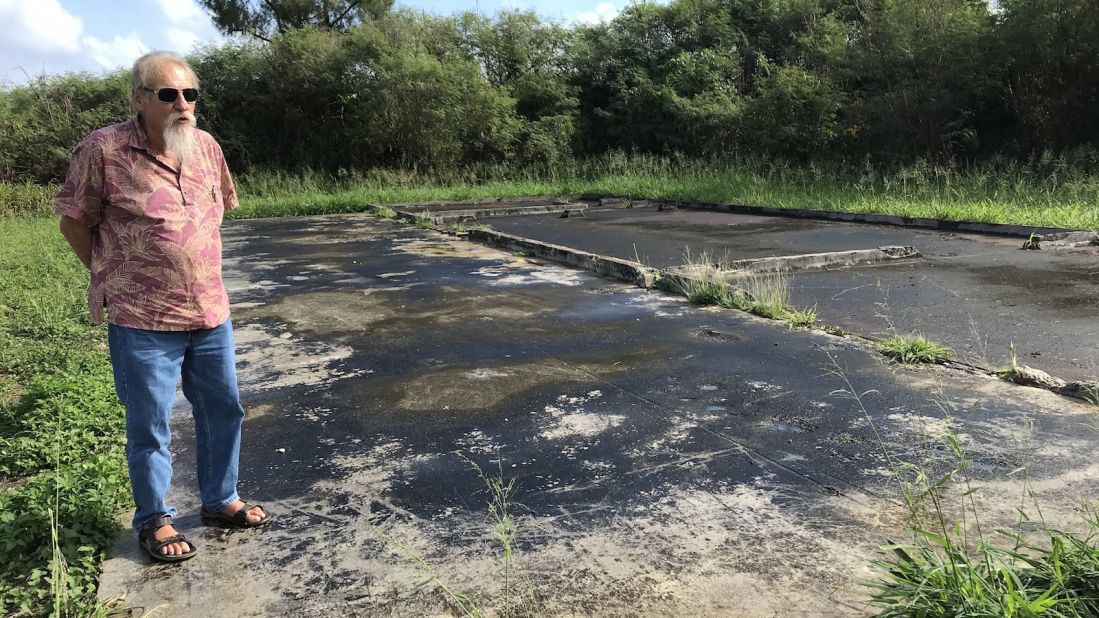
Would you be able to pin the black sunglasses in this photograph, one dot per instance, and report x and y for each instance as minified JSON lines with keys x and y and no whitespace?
{"x":168,"y":95}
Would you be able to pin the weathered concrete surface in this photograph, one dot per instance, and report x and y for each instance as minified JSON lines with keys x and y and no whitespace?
{"x":670,"y":460}
{"x":977,"y":294}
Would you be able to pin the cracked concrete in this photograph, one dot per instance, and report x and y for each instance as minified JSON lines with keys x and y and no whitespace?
{"x":667,"y":459}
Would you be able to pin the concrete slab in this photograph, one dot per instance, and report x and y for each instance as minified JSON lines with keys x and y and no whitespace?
{"x":977,"y":294}
{"x":669,"y":460}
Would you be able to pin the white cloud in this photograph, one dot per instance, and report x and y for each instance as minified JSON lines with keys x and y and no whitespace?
{"x":180,"y":11}
{"x":120,"y":52}
{"x":42,"y":26}
{"x":603,"y":13}
{"x":181,"y":40}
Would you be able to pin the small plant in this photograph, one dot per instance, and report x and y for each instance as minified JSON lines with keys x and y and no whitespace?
{"x":384,"y":212}
{"x":804,"y":318}
{"x":1010,"y":372}
{"x":769,"y":293}
{"x":425,"y":220}
{"x":914,"y":349}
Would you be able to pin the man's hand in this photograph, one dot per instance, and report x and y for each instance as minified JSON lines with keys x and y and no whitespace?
{"x":80,"y":239}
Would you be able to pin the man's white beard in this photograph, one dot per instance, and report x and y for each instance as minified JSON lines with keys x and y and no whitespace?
{"x":179,"y":138}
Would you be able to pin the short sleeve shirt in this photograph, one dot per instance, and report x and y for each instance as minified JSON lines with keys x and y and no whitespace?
{"x":156,"y":244}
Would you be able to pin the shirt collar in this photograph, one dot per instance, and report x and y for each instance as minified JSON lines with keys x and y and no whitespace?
{"x":138,"y":137}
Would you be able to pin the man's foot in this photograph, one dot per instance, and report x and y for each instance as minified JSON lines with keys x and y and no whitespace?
{"x":172,"y":549}
{"x":159,"y":538}
{"x":254,"y":515}
{"x":238,"y":514}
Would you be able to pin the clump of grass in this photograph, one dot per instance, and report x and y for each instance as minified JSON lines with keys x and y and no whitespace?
{"x":425,"y":220}
{"x":769,"y":294}
{"x":952,"y":568}
{"x":936,"y":576}
{"x":802,"y":318}
{"x":384,"y":212}
{"x":914,"y":349}
{"x":706,"y":282}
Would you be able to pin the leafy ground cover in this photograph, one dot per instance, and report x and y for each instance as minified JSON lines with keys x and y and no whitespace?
{"x":61,"y":429}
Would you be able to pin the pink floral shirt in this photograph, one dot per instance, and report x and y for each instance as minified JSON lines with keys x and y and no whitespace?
{"x":156,"y":247}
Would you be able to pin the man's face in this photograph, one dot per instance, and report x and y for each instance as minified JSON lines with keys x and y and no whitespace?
{"x":159,"y":115}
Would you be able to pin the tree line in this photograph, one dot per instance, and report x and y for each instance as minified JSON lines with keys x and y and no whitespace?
{"x":361,"y":86}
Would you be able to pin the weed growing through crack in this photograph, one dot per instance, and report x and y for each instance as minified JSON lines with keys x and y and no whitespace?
{"x":462,"y":228}
{"x":953,"y":568}
{"x":384,"y":212}
{"x":506,"y":525}
{"x":501,"y":516}
{"x":706,"y":282}
{"x":803,"y":318}
{"x":1011,"y":372}
{"x":425,"y":220}
{"x":914,"y":349}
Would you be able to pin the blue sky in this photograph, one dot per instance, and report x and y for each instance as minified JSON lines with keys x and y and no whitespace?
{"x":55,"y":36}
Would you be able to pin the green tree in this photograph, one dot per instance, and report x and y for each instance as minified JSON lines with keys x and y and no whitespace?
{"x":921,"y":74}
{"x":263,"y":19}
{"x":42,"y":122}
{"x":1052,"y":50}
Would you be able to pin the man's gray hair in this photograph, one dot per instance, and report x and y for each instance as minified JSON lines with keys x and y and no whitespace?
{"x":146,"y":67}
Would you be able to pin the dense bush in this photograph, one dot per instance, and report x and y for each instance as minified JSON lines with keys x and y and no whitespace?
{"x":891,"y":81}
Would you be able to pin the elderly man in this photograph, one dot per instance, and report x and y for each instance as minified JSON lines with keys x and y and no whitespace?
{"x":141,"y":208}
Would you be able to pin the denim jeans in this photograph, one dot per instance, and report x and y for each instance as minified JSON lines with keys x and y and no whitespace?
{"x":147,"y":365}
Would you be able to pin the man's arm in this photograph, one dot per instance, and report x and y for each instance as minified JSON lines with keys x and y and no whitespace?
{"x":80,"y":239}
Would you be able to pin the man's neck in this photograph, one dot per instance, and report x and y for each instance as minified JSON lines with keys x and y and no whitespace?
{"x":156,"y":138}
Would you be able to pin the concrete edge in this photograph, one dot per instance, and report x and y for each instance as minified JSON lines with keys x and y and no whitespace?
{"x":443,"y":217}
{"x":820,"y":261}
{"x":623,"y":270}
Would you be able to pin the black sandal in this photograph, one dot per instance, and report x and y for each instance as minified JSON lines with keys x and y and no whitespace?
{"x":236,"y":520}
{"x":146,"y":538}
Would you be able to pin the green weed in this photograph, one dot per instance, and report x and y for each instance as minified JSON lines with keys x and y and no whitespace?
{"x":803,"y":318}
{"x":384,"y":212}
{"x":914,"y":349}
{"x":61,"y":429}
{"x":952,"y":568}
{"x":425,"y":220}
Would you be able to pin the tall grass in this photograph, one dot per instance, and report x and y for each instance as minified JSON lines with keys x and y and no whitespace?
{"x":706,"y":281}
{"x":1046,"y":191}
{"x":1041,"y":193}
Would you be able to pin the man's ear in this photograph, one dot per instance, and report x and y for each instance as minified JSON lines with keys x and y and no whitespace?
{"x":137,"y":96}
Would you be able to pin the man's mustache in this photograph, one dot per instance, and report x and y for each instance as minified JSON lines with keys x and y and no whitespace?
{"x":176,"y":116}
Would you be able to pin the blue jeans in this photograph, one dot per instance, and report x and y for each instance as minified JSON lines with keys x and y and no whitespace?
{"x":147,"y":365}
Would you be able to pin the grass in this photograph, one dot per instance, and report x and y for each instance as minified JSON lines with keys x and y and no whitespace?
{"x":914,"y":349}
{"x":425,"y":220}
{"x":61,"y":429}
{"x":706,"y":282}
{"x":506,"y":526}
{"x":953,"y":567}
{"x":1046,"y":191}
